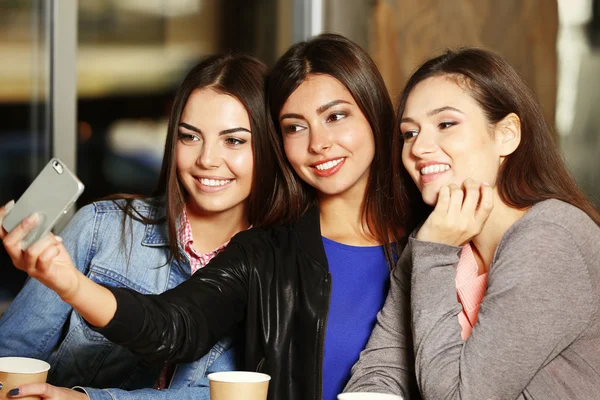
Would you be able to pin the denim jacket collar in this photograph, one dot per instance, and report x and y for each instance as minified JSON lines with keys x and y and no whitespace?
{"x":156,"y":235}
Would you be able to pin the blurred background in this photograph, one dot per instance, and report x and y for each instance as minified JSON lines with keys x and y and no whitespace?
{"x":91,"y":81}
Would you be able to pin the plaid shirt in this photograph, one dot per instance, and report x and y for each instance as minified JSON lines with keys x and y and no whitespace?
{"x":184,"y":235}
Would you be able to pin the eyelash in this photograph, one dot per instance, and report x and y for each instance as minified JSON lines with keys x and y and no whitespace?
{"x":188,"y":137}
{"x":233,"y":141}
{"x":230,"y":141}
{"x":333,"y":117}
{"x":292,"y":128}
{"x":336,"y":116}
{"x":446,"y":124}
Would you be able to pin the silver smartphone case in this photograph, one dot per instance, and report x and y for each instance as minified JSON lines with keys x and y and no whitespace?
{"x":51,"y":195}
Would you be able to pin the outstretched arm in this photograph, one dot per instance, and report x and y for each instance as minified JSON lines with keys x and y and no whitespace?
{"x":48,"y":261}
{"x":178,"y":325}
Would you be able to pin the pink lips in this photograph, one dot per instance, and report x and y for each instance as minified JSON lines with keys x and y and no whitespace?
{"x":330,"y":171}
{"x":211,"y":189}
{"x":432,"y":177}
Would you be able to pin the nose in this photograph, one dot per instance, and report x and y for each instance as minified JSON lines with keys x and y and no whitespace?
{"x":320,"y":141}
{"x":210,"y":156}
{"x":424,"y":143}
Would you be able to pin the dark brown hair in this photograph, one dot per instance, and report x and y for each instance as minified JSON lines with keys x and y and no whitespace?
{"x":242,"y":77}
{"x":534,"y":172}
{"x":340,"y":58}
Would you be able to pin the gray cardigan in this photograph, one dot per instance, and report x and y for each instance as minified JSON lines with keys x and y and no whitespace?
{"x":538,"y":331}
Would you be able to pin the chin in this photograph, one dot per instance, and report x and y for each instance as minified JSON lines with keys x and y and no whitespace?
{"x":430,"y":197}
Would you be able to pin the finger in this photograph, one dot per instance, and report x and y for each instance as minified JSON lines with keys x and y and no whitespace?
{"x":33,"y":252}
{"x":472,"y":191}
{"x":31,"y":389}
{"x":486,"y":203}
{"x":443,"y":200}
{"x":456,"y":199}
{"x":3,"y":211}
{"x":15,"y":236}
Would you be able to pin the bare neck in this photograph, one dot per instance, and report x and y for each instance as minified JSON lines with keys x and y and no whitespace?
{"x":211,"y":230}
{"x":342,"y":219}
{"x":500,"y":220}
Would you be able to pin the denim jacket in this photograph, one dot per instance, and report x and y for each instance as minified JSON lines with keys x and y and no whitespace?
{"x":39,"y":324}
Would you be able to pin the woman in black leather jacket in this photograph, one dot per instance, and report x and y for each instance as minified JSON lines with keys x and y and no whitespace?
{"x":283,"y":287}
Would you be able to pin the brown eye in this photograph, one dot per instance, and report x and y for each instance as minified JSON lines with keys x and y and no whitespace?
{"x":408,"y":135}
{"x":446,"y":125}
{"x":188,"y":137}
{"x":292,"y":128}
{"x":233,"y":141}
{"x":336,"y":116}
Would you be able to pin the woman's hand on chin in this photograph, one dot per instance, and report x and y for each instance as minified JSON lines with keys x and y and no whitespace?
{"x":46,"y":260}
{"x":459,"y":214}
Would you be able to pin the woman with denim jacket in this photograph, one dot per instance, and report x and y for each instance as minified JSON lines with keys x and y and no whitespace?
{"x":304,"y":293}
{"x":216,"y":150}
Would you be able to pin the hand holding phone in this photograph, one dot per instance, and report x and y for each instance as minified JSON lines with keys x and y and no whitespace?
{"x":50,"y":195}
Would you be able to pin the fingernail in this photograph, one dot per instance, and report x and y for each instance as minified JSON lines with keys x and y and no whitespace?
{"x":485,"y":183}
{"x":32,"y":219}
{"x":59,"y":239}
{"x":8,"y":206}
{"x":14,"y":392}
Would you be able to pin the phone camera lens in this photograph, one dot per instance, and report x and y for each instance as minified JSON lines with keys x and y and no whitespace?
{"x":57,"y":167}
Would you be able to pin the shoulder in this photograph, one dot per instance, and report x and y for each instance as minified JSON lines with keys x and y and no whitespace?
{"x":148,"y":208}
{"x":554,"y":223}
{"x":554,"y":245}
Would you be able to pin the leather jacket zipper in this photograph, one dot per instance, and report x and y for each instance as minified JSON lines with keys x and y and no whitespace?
{"x":260,"y":364}
{"x":322,"y":329}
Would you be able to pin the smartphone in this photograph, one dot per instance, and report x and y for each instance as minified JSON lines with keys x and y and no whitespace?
{"x":51,"y":195}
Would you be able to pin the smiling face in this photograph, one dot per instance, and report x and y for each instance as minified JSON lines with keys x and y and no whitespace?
{"x":214,"y":153}
{"x":448,"y":139}
{"x":327,"y":139}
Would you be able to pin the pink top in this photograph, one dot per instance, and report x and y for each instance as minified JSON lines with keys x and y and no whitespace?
{"x":470,"y":289}
{"x":184,"y":234}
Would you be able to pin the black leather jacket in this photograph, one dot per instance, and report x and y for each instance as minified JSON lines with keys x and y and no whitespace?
{"x":273,"y":284}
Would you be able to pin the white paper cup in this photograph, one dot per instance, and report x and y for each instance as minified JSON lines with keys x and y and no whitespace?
{"x":17,"y":371}
{"x":367,"y":396}
{"x":238,"y":385}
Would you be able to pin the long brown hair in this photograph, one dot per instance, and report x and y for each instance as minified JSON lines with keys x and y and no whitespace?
{"x":535,"y":171}
{"x":340,"y":58}
{"x":242,"y":77}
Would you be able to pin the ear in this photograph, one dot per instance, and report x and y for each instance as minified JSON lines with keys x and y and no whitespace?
{"x":508,"y":134}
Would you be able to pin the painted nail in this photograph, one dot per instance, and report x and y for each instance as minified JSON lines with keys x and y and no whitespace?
{"x":8,"y":206}
{"x":14,"y":392}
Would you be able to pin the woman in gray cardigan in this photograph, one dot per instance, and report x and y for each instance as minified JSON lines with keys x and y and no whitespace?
{"x":497,"y":294}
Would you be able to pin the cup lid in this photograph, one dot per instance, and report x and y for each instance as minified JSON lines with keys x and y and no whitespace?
{"x":239,"y":376}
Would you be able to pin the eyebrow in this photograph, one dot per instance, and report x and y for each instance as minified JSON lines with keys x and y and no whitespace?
{"x":333,"y":103}
{"x":433,"y":112}
{"x":319,"y":110}
{"x":224,"y":132}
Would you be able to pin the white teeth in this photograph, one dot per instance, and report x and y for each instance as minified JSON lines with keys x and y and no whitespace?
{"x":434,"y":169}
{"x":214,"y":182}
{"x":329,"y":164}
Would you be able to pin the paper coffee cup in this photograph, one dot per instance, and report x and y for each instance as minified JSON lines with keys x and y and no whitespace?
{"x":367,"y":396}
{"x":238,"y":385}
{"x":17,"y":371}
